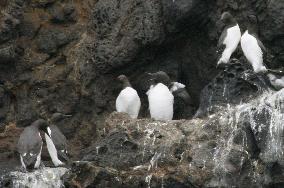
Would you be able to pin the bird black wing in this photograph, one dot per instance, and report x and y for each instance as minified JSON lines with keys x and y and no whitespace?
{"x":221,"y":46}
{"x":183,"y":95}
{"x":182,"y":104}
{"x":222,"y":37}
{"x":60,"y":143}
{"x":58,"y":138}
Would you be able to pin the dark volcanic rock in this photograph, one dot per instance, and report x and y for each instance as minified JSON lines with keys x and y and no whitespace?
{"x":237,"y":83}
{"x":272,"y":32}
{"x":128,"y":35}
{"x":108,"y":177}
{"x":45,"y":177}
{"x":64,"y":14}
{"x":222,"y":150}
{"x":7,"y":54}
{"x":128,"y":149}
{"x":10,"y":20}
{"x":114,"y":37}
{"x":42,"y":3}
{"x":50,"y":40}
{"x":26,"y":112}
{"x":5,"y":101}
{"x":8,"y":156}
{"x":63,"y":56}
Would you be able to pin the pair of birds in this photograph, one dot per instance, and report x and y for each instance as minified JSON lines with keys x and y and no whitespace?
{"x":160,"y":96}
{"x":251,"y":46}
{"x":30,"y":143}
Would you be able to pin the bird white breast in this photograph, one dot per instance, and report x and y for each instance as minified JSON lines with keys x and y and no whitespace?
{"x":38,"y":158}
{"x":161,"y":102}
{"x":52,"y":151}
{"x":253,"y":52}
{"x":129,"y":102}
{"x":231,"y":42}
{"x":22,"y":161}
{"x":49,"y":131}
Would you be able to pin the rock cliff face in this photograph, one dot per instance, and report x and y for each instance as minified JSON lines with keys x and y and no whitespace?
{"x":64,"y":56}
{"x":238,"y":146}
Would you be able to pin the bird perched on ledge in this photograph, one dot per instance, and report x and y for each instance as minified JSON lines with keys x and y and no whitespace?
{"x":56,"y":142}
{"x":183,"y":106}
{"x":30,"y":145}
{"x":128,"y":100}
{"x":252,"y":47}
{"x":160,"y":98}
{"x":229,"y":38}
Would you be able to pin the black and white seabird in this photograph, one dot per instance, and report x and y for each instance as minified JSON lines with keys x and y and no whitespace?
{"x":160,"y":98}
{"x":30,"y":145}
{"x":229,"y":38}
{"x":252,"y":47}
{"x":56,"y":142}
{"x":128,"y":100}
{"x":183,"y":107}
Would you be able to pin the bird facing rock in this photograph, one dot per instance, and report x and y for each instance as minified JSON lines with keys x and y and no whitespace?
{"x":183,"y":106}
{"x":30,"y":145}
{"x":56,"y":142}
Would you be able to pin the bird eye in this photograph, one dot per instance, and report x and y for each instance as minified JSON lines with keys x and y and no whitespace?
{"x":31,"y":154}
{"x":63,"y":151}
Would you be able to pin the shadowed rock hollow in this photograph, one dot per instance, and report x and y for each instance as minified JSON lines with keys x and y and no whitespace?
{"x":64,"y":56}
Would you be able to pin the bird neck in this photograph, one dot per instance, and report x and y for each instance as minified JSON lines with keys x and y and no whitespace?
{"x":167,"y":83}
{"x":164,"y":80}
{"x":126,"y":84}
{"x":232,"y":22}
{"x":252,"y":29}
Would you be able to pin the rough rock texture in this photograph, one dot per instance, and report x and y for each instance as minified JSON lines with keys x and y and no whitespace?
{"x":60,"y":56}
{"x":239,"y":146}
{"x":63,"y":56}
{"x":235,"y":84}
{"x":8,"y":143}
{"x":47,"y":177}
